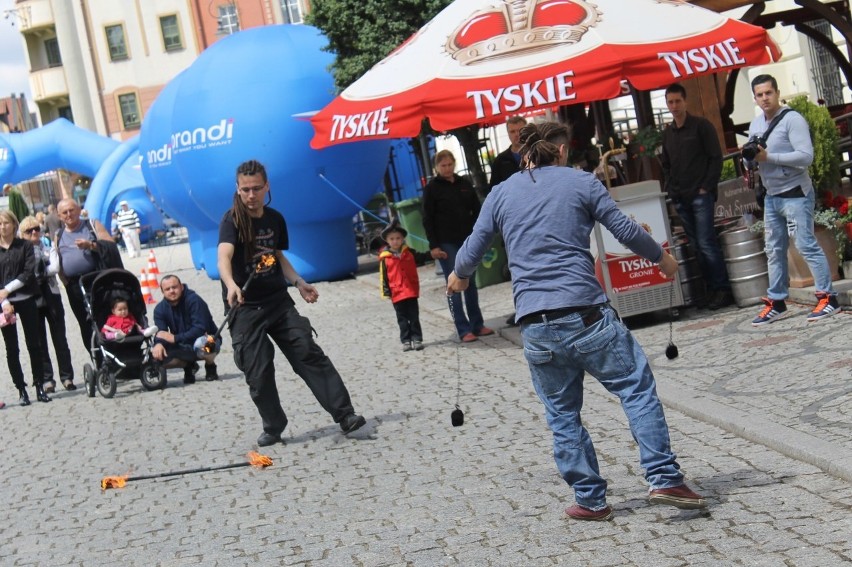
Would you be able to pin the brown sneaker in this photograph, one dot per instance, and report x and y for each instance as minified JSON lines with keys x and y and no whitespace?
{"x":678,"y":496}
{"x":578,"y":512}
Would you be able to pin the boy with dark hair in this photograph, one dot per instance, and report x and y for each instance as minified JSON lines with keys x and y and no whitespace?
{"x":400,"y":283}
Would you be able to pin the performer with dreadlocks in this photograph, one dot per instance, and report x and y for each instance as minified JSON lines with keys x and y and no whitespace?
{"x":546,"y":214}
{"x":249,"y":230}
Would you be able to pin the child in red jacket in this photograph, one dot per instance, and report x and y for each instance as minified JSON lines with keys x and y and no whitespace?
{"x":398,"y":275}
{"x":122,"y":323}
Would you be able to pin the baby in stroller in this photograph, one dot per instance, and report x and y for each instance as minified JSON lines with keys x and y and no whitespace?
{"x":120,"y":342}
{"x":122,"y":323}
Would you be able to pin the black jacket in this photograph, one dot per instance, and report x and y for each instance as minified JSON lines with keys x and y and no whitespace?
{"x":449,"y":210}
{"x":18,"y":263}
{"x":502,"y":168}
{"x":691,"y":159}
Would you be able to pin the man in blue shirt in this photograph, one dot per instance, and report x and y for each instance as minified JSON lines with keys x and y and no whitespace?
{"x":184,"y":320}
{"x":546,"y":216}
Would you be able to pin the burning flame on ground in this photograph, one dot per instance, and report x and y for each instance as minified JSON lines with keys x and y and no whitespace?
{"x":113,"y":482}
{"x":254,"y":460}
{"x":258,"y":460}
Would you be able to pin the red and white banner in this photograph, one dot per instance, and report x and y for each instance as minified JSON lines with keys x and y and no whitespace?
{"x":480,"y":61}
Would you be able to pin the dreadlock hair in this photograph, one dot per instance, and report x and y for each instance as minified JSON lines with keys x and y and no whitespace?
{"x":540,"y":143}
{"x":239,"y":212}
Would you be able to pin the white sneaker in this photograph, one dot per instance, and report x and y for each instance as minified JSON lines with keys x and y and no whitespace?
{"x":150,"y":331}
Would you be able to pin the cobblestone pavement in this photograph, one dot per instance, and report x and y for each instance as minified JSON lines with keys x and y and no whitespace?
{"x":410,"y":489}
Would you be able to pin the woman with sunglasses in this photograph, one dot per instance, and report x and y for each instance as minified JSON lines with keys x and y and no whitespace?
{"x":50,"y":308}
{"x":18,"y":296}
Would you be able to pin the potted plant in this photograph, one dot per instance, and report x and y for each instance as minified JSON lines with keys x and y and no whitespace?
{"x":831,"y":234}
{"x":642,"y":151}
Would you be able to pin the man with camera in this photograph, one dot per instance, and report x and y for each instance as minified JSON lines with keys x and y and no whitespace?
{"x":692,"y":163}
{"x":780,"y":146}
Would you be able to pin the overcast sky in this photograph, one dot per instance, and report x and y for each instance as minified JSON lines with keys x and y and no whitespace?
{"x":14,"y":75}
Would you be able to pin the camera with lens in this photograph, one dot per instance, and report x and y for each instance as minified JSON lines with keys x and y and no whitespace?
{"x":752,"y":148}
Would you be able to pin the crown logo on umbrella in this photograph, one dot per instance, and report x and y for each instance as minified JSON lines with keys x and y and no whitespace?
{"x":514,"y":27}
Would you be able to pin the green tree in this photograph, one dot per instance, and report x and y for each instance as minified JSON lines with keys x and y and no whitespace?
{"x":363,"y":32}
{"x":17,"y":205}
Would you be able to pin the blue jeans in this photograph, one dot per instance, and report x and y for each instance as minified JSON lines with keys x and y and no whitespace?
{"x":698,"y":218}
{"x":473,"y":321}
{"x":783,"y":219}
{"x":559,"y":353}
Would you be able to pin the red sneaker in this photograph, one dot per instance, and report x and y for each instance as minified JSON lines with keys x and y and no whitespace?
{"x":484,"y":332}
{"x":678,"y":496}
{"x":578,"y":512}
{"x":469,"y":338}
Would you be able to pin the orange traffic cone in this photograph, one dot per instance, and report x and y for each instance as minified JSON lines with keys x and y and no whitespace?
{"x":153,"y":284}
{"x":152,"y":264}
{"x":146,"y":290}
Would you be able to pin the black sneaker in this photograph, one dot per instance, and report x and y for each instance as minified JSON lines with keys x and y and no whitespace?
{"x":189,"y":373}
{"x":721,"y":298}
{"x":773,"y":310}
{"x":352,"y":422}
{"x":210,"y":373}
{"x":267,"y":439}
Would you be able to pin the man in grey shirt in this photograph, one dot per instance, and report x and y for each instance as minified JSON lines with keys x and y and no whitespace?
{"x":788,"y":211}
{"x":77,"y":246}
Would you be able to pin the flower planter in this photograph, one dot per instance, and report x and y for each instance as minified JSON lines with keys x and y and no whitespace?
{"x":797,"y":267}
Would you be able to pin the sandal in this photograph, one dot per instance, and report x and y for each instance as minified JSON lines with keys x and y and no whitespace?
{"x":69,"y":385}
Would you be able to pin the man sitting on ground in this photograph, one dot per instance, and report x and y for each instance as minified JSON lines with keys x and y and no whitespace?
{"x":185,"y":322}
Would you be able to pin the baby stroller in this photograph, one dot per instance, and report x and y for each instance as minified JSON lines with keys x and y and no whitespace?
{"x":129,"y":358}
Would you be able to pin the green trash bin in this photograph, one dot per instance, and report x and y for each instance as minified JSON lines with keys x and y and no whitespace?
{"x":494,"y":268}
{"x":410,"y":213}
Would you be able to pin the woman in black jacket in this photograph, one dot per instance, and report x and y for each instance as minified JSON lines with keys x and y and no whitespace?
{"x":18,"y":296}
{"x":450,"y":208}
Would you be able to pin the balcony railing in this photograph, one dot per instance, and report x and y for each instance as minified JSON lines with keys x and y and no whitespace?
{"x":48,"y":83}
{"x":34,"y":14}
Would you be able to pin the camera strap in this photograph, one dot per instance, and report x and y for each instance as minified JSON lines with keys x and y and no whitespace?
{"x":765,"y":136}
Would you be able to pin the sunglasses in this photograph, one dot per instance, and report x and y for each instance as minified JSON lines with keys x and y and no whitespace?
{"x":32,"y":230}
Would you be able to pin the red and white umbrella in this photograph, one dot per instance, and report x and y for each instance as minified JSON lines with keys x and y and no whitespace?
{"x":479,"y":61}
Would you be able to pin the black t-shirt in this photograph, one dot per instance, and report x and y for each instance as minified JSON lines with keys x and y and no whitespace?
{"x":270,"y":234}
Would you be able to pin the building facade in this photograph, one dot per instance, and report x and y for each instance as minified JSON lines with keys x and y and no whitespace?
{"x":15,"y":115}
{"x":102,"y":63}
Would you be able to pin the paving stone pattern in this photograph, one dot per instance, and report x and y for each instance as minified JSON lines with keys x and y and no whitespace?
{"x":409,"y":489}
